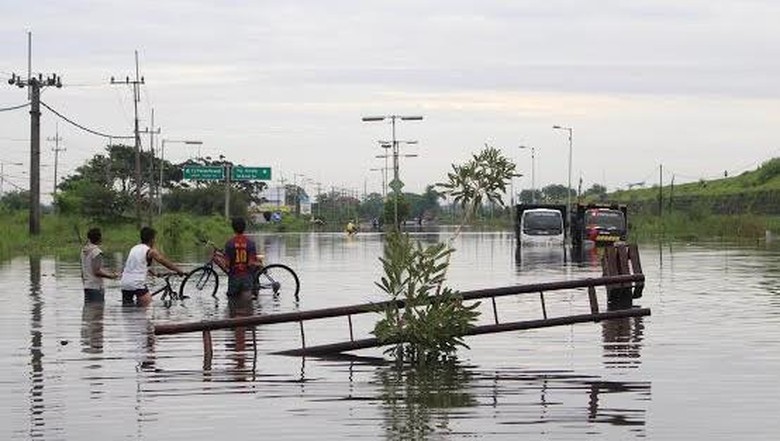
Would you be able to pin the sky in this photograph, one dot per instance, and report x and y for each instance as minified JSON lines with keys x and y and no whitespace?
{"x":690,"y":85}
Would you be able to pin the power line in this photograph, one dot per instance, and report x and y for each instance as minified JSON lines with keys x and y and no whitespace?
{"x":88,"y":130}
{"x":20,"y":106}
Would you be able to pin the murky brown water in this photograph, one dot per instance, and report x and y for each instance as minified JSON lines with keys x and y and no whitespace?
{"x":705,"y":365}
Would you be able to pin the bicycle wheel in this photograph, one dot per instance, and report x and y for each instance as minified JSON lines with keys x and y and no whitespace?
{"x":278,"y":279}
{"x":200,"y":281}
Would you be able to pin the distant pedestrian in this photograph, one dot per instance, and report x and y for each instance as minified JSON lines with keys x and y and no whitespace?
{"x":92,"y":271}
{"x":137,"y":266}
{"x":241,"y":255}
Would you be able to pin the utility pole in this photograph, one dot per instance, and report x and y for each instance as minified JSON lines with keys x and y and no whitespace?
{"x":319,"y":199}
{"x":671,"y":196}
{"x":35,"y":84}
{"x":152,"y":184}
{"x":136,"y":99}
{"x":228,"y":170}
{"x":57,"y":149}
{"x":660,"y":190}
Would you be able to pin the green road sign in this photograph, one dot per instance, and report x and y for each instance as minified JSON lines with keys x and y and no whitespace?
{"x":251,"y":174}
{"x":204,"y":172}
{"x":396,"y":185}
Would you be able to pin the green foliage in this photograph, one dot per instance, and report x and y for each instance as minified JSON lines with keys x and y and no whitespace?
{"x":404,"y":209}
{"x":92,"y":200}
{"x":768,"y":171}
{"x":482,"y":179}
{"x":432,"y":321}
{"x":15,"y":200}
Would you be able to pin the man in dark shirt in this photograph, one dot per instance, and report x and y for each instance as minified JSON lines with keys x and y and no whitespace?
{"x":241,"y":256}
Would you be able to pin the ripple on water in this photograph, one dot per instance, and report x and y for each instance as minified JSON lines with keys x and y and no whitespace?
{"x":703,"y":365}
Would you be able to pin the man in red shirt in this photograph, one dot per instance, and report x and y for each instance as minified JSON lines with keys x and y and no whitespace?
{"x":241,"y":256}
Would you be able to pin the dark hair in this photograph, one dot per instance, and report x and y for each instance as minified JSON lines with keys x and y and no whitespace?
{"x":239,"y":225}
{"x":94,"y":235}
{"x":147,"y":235}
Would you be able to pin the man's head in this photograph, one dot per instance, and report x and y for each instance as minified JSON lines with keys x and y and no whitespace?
{"x":239,"y":225}
{"x":95,"y":236}
{"x":147,"y":235}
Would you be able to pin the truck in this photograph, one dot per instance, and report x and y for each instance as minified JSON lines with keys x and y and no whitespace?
{"x":598,"y":224}
{"x":540,"y":224}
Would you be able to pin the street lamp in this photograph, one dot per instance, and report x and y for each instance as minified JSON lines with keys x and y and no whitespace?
{"x":533,"y":171}
{"x":162,"y":166}
{"x":568,"y":187}
{"x":396,"y":185}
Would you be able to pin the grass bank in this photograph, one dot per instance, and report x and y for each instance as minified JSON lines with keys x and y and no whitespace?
{"x":63,"y":235}
{"x":682,"y":226}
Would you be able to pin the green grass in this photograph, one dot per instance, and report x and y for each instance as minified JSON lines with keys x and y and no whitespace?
{"x":680,"y":226}
{"x":764,"y":178}
{"x":64,"y":235}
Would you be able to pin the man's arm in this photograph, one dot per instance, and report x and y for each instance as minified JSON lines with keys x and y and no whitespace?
{"x":97,"y":268}
{"x":162,"y":260}
{"x":251,"y":250}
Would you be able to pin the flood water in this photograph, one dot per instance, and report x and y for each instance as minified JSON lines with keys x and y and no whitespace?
{"x":705,"y":365}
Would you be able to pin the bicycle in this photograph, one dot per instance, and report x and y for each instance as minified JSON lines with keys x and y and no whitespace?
{"x":169,"y":295}
{"x":276,"y":277}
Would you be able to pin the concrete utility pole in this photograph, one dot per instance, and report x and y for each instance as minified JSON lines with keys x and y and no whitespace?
{"x":228,"y":170}
{"x":152,"y":185}
{"x":136,"y":99}
{"x":57,"y":149}
{"x":35,"y":84}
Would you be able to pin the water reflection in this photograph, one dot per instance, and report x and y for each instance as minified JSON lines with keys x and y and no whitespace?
{"x":528,"y":258}
{"x":92,"y":327}
{"x":426,"y":402}
{"x":416,"y":400}
{"x":37,"y":405}
{"x":622,"y":339}
{"x":242,"y":307}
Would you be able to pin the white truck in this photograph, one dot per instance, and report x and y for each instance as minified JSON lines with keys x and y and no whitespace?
{"x":540,"y":224}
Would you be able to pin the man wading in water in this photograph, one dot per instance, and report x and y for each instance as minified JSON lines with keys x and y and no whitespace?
{"x":92,"y":272}
{"x":140,"y":257}
{"x":240,"y":253}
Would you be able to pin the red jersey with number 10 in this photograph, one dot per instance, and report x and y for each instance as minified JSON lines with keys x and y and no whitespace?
{"x":241,"y":254}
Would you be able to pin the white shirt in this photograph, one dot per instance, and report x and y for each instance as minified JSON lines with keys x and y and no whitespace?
{"x":136,"y":268}
{"x":90,"y":255}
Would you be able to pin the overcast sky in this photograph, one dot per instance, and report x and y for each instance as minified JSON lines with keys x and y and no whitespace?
{"x":687,"y":84}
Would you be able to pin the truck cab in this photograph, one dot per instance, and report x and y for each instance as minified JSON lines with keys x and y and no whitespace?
{"x":540,"y":224}
{"x":599,"y":224}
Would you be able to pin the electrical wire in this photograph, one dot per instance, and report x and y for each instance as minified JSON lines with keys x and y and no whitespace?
{"x":94,"y":132}
{"x":20,"y":106}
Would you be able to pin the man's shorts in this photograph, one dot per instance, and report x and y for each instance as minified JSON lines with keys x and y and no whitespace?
{"x":129,"y":295}
{"x":94,"y":295}
{"x":238,"y":284}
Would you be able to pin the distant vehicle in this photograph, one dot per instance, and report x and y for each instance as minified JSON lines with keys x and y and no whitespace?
{"x":540,"y":224}
{"x":599,"y":224}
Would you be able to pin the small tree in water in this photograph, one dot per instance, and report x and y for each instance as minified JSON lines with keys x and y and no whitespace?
{"x":430,"y":324}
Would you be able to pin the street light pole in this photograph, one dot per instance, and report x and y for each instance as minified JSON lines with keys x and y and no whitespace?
{"x":396,"y":185}
{"x":162,"y":166}
{"x":533,"y":171}
{"x":568,"y":187}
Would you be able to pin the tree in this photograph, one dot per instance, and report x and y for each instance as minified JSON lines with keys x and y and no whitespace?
{"x":556,"y":193}
{"x":404,"y":209}
{"x":431,"y":323}
{"x":597,"y":192}
{"x":372,"y":207}
{"x":16,"y":200}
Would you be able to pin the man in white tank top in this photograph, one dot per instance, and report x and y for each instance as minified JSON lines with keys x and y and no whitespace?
{"x":139,"y":259}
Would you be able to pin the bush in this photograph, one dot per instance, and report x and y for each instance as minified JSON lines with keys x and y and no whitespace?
{"x":431,"y":324}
